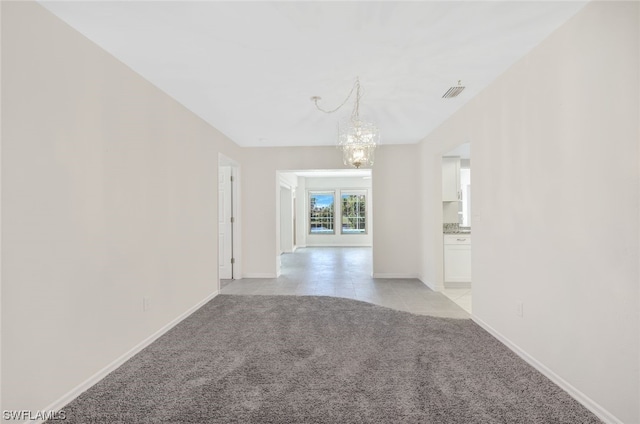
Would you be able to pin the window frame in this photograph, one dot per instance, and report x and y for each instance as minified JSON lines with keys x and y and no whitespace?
{"x":331,"y":193}
{"x":364,"y":218}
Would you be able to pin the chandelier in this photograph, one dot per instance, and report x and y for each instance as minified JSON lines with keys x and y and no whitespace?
{"x":357,"y":138}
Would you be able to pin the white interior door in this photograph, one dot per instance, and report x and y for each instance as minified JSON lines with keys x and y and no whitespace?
{"x":225,"y":233}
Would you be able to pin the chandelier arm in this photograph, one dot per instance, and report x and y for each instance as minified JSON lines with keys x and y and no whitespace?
{"x":356,"y":84}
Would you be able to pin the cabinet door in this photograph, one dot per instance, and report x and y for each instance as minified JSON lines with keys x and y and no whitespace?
{"x":450,"y":179}
{"x":457,"y":263}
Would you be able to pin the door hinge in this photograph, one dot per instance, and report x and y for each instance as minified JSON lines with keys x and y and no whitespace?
{"x":233,"y":260}
{"x":231,"y":178}
{"x":233,"y":220}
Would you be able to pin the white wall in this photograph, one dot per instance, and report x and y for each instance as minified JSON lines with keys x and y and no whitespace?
{"x":286,"y":220}
{"x":397,"y":193}
{"x":287,"y":183}
{"x":555,"y":206}
{"x":109,"y":194}
{"x":301,"y":211}
{"x":338,"y":185}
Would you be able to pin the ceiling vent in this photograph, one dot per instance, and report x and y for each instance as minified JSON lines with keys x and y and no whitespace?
{"x":453,"y":91}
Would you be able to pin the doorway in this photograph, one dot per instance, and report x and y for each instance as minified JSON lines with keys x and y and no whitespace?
{"x":323,"y":208}
{"x":456,"y":225}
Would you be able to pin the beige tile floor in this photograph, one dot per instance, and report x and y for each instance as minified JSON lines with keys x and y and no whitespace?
{"x":461,"y":297}
{"x":346,"y":272}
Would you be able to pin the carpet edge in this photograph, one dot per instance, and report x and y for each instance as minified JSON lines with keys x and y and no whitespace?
{"x":349,"y":299}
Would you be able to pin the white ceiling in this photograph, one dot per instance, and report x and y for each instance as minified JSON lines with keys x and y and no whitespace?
{"x":463,"y":151}
{"x":250,"y":68}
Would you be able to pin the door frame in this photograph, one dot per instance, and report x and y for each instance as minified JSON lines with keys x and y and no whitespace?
{"x":236,"y":225}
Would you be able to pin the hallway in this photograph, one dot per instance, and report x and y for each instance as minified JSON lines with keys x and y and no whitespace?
{"x":346,"y":272}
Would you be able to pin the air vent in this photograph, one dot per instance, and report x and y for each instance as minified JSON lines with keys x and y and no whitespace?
{"x":453,"y":91}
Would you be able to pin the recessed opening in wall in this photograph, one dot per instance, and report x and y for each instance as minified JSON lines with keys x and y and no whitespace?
{"x":456,"y":225}
{"x":326,"y":209}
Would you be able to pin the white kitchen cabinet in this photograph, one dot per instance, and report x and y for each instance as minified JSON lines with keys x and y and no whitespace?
{"x":457,"y":258}
{"x":451,"y":179}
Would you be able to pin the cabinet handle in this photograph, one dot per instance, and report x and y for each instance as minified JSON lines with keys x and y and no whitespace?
{"x":462,"y":239}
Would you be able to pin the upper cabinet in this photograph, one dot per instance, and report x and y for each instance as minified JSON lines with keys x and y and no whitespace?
{"x":451,"y":179}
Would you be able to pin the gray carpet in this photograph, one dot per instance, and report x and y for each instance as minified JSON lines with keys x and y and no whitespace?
{"x":290,"y":359}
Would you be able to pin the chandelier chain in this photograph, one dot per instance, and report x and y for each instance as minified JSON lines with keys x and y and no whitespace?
{"x":355,"y":113}
{"x":356,"y":138}
{"x":356,"y":86}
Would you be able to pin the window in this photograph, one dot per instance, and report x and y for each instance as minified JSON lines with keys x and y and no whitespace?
{"x":354,"y":213}
{"x":321,"y":213}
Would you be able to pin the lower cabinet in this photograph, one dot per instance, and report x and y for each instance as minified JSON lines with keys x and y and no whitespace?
{"x":457,"y":258}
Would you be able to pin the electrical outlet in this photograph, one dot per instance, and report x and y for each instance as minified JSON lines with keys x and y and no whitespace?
{"x":145,"y":304}
{"x":519,"y":308}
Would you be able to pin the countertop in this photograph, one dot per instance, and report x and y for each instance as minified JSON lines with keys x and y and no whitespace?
{"x":454,"y":228}
{"x":449,"y":228}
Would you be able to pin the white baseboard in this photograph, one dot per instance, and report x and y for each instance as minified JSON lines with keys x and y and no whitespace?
{"x":432,"y":285}
{"x":339,"y":245}
{"x":82,"y":387}
{"x":457,"y":284}
{"x":393,"y":275}
{"x":586,"y":401}
{"x":429,"y":284}
{"x":259,"y":275}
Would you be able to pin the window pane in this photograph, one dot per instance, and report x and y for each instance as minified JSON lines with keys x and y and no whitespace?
{"x":321,"y":213}
{"x":354,"y":214}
